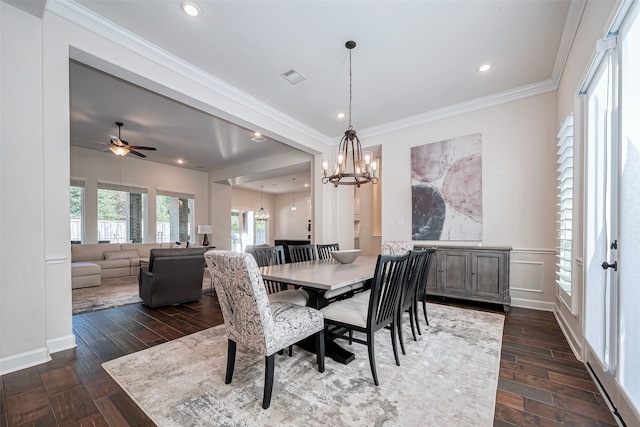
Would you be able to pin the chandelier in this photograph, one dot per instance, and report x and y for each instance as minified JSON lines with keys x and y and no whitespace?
{"x":262,"y":215}
{"x":352,"y":166}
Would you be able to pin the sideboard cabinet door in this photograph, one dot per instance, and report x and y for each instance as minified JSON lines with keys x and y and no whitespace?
{"x":455,"y":272}
{"x":490,"y":275}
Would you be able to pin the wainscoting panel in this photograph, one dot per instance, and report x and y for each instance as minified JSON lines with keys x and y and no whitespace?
{"x":532,"y":278}
{"x":529,"y":276}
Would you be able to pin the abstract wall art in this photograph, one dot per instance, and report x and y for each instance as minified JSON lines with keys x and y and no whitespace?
{"x":446,"y":184}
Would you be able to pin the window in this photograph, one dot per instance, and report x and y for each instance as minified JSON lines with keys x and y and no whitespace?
{"x":174,"y":221}
{"x":121,"y":213}
{"x":76,"y":205}
{"x":247,"y":230}
{"x":565,"y":209}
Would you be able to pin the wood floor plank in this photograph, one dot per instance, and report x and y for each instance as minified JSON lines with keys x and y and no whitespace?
{"x":72,"y":405}
{"x":30,"y":408}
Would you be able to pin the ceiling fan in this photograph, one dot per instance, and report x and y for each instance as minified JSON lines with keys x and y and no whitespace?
{"x":120,"y":147}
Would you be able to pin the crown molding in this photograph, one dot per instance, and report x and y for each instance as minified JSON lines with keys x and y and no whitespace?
{"x":521,"y":92}
{"x":91,"y":21}
{"x":571,"y":24}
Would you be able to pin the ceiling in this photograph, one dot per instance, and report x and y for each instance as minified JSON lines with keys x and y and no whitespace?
{"x":413,"y":59}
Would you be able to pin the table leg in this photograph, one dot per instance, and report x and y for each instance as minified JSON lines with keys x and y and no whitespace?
{"x":331,"y":349}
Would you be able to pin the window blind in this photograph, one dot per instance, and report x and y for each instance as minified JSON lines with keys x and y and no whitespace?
{"x":565,"y":204}
{"x":77,"y":183}
{"x":174,"y":194}
{"x":119,"y":187}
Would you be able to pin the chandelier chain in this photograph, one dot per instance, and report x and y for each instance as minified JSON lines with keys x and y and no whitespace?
{"x":350,"y":89}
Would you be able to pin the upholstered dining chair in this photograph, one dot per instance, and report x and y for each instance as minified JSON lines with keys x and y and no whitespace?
{"x":371,"y":310}
{"x":421,"y":289}
{"x":252,"y":321}
{"x":324,"y":251}
{"x":396,"y":247}
{"x":300,"y":253}
{"x":274,"y":255}
{"x":408,"y":298}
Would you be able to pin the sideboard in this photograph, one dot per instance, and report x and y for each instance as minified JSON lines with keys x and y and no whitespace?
{"x":471,"y":272}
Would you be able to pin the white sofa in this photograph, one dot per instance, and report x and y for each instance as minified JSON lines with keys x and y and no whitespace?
{"x":92,"y":262}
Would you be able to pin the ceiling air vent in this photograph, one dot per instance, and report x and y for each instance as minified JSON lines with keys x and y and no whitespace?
{"x":258,"y":139}
{"x":294,"y":76}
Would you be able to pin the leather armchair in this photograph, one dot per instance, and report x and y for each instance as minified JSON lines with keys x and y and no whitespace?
{"x":173,"y":276}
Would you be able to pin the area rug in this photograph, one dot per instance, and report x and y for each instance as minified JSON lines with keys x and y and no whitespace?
{"x":448,"y":377}
{"x":111,"y":293}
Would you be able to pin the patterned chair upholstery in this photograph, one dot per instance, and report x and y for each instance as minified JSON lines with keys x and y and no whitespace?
{"x":396,"y":247}
{"x":255,"y":323}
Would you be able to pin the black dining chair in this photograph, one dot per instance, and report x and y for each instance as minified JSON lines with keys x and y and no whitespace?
{"x":372,"y":310}
{"x":300,"y":253}
{"x":421,"y":289}
{"x":277,"y":291}
{"x":324,"y":251}
{"x":408,"y":298}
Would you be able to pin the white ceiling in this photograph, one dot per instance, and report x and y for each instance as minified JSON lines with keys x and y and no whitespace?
{"x":413,"y":58}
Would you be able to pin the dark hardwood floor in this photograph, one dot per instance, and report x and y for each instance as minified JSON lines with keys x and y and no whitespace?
{"x":541,"y":382}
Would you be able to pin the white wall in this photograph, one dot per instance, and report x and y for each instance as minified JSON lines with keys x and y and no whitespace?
{"x":288,"y":224}
{"x":93,"y":166}
{"x":23,"y":265}
{"x":518,"y":182}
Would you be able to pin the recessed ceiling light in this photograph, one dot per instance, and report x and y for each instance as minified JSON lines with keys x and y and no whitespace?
{"x":340,"y":115}
{"x":190,"y":9}
{"x":257,"y":134}
{"x":180,"y":161}
{"x":484,"y":67}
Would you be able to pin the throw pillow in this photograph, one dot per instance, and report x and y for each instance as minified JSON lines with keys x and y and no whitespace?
{"x":133,"y":253}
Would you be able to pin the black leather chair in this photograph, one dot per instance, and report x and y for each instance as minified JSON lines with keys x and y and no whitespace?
{"x":172,"y":276}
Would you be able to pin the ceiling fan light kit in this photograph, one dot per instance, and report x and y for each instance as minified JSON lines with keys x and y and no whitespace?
{"x":352,"y":166}
{"x":121,"y":148}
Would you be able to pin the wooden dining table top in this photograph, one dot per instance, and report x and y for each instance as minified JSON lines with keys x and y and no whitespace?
{"x":326,"y":274}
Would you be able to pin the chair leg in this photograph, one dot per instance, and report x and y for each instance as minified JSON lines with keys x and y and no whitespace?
{"x":320,"y":350}
{"x":415,"y":315}
{"x":413,"y":324}
{"x":424,"y":309}
{"x":372,"y":356}
{"x":399,"y":328}
{"x":350,"y":336}
{"x":393,"y":342}
{"x":268,"y":380}
{"x":231,"y":360}
{"x":290,"y":350}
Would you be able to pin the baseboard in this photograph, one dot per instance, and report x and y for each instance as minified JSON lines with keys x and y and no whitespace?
{"x":62,"y":343}
{"x":533,"y":304}
{"x":574,"y":342}
{"x":24,"y":360}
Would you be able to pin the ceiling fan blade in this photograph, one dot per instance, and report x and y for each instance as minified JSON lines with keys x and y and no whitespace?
{"x":117,"y":141}
{"x":136,"y":153}
{"x":137,"y":147}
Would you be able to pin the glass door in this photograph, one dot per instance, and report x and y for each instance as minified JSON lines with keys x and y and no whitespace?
{"x":612,"y":224}
{"x":629,"y":271}
{"x":601,"y":230}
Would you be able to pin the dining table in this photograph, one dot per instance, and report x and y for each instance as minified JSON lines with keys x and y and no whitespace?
{"x":317,"y":277}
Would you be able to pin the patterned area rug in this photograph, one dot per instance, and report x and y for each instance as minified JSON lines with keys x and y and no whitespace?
{"x":112,"y":293}
{"x":449,"y":377}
